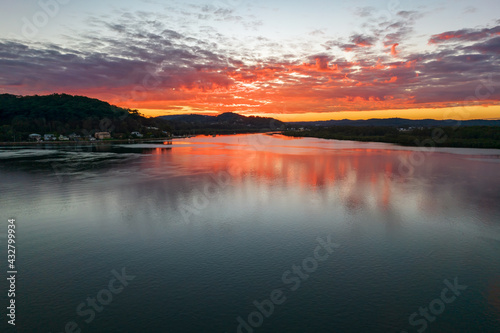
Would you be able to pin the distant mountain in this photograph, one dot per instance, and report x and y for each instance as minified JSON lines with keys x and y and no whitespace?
{"x":229,"y":121}
{"x":190,"y":118}
{"x":397,"y":122}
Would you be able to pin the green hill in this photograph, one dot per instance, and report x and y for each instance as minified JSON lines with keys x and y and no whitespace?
{"x":63,"y":114}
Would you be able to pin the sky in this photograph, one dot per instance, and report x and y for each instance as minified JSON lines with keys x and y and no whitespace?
{"x":292,"y":60}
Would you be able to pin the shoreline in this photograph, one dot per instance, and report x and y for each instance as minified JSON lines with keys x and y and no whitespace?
{"x":96,"y":142}
{"x":454,"y":143}
{"x":294,"y":134}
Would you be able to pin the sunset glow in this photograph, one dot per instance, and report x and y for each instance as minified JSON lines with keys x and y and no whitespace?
{"x":289,"y":61}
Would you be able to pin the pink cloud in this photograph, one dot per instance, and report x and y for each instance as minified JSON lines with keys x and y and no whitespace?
{"x":393,"y":49}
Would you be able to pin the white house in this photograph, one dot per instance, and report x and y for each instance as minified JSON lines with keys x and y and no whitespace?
{"x":35,"y":136}
{"x":137,"y":134}
{"x":49,"y":137}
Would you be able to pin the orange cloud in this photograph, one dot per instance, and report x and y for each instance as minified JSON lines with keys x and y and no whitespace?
{"x":444,"y":36}
{"x":319,"y":83}
{"x":393,"y":49}
{"x":391,"y":80}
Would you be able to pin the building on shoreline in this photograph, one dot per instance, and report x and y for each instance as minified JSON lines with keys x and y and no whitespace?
{"x":35,"y":137}
{"x":102,"y":135}
{"x":136,"y":134}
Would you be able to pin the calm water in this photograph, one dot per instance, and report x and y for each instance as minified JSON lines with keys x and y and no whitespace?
{"x":342,"y":236}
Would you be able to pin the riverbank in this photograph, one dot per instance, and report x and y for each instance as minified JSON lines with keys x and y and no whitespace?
{"x":461,"y":137}
{"x":80,"y":142}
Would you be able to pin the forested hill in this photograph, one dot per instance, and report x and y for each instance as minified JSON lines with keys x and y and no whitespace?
{"x":226,"y":122}
{"x":62,"y":114}
{"x":56,"y":107}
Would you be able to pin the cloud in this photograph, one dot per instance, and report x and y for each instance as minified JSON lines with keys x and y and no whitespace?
{"x":490,"y":46}
{"x":464,"y":35}
{"x":412,"y":14}
{"x":142,"y":62}
{"x":355,"y":41}
{"x":393,"y":49}
{"x":139,"y":60}
{"x":317,"y":32}
{"x":364,"y":11}
{"x":470,"y":10}
{"x":362,"y":41}
{"x":322,"y":62}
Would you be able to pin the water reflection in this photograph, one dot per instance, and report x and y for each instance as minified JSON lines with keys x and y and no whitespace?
{"x":150,"y":184}
{"x":250,"y":205}
{"x":358,"y":179}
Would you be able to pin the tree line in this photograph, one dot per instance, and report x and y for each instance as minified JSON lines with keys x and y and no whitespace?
{"x":452,"y":136}
{"x":63,"y":114}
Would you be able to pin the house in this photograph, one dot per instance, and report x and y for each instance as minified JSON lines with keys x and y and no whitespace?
{"x":49,"y":137}
{"x":35,"y":137}
{"x":102,"y":135}
{"x":63,"y":138}
{"x":74,"y":136}
{"x":137,"y":134}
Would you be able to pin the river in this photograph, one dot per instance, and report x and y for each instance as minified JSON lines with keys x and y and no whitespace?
{"x":252,"y":233}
